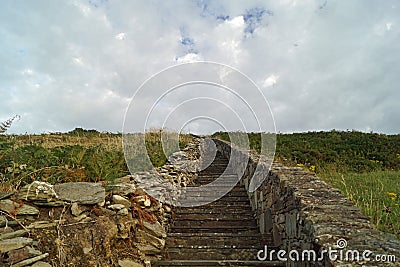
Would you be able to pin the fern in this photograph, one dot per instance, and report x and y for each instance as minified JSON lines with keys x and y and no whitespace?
{"x":4,"y":126}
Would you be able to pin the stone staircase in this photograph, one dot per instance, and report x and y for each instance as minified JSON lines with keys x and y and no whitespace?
{"x":222,"y":233}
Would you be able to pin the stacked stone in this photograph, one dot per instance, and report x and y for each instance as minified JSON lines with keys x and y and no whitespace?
{"x":16,"y":248}
{"x":77,"y":201}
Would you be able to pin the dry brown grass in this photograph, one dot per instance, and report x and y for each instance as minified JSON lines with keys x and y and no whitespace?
{"x":107,"y":141}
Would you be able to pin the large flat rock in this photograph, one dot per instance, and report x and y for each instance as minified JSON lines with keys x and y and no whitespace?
{"x":81,"y":192}
{"x":15,"y":243}
{"x":13,"y":207}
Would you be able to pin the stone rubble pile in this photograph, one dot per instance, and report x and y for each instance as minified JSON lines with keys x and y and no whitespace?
{"x":188,"y":159}
{"x":180,"y":171}
{"x":183,"y":165}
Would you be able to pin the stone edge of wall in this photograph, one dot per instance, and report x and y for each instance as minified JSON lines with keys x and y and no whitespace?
{"x":305,"y":213}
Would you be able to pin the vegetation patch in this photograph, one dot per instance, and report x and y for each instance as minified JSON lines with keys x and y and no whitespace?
{"x":78,"y":156}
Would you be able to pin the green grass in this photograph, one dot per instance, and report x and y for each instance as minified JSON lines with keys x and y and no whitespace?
{"x":80,"y":155}
{"x":377,"y":193}
{"x":348,"y":151}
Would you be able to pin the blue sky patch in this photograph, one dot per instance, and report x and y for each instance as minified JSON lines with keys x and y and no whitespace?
{"x":253,"y":18}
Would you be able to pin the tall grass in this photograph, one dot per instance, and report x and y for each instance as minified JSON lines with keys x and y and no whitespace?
{"x":376,"y":193}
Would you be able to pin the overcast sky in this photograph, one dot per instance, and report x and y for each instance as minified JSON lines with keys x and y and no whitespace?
{"x":321,"y":65}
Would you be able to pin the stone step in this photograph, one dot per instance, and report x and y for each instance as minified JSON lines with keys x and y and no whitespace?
{"x":214,"y":229}
{"x":231,"y":176}
{"x":229,"y":199}
{"x":243,"y":234}
{"x":227,"y":183}
{"x":221,"y":206}
{"x":218,"y":241}
{"x":218,"y":158}
{"x":214,"y":217}
{"x":217,"y":170}
{"x":233,"y":193}
{"x":211,"y":224}
{"x":213,"y":263}
{"x":220,"y":184}
{"x":217,"y":199}
{"x":211,"y":254}
{"x":228,"y":177}
{"x":213,"y":209}
{"x":220,"y":187}
{"x":219,"y":163}
{"x":224,"y":204}
{"x":213,"y":246}
{"x":216,"y":174}
{"x":245,"y":211}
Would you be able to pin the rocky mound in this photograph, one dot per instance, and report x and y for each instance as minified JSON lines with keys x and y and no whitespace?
{"x":90,"y":224}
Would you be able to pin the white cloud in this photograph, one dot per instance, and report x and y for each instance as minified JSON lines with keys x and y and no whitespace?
{"x":332,"y":64}
{"x":120,"y":36}
{"x":271,"y":80}
{"x":190,"y":57}
{"x":237,"y":23}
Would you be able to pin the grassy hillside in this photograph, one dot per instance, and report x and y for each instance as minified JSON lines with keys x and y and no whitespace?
{"x":341,"y":151}
{"x":80,"y":155}
{"x":364,"y":166}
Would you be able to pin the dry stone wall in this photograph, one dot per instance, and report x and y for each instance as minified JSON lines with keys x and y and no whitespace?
{"x":81,"y":224}
{"x":304,"y":213}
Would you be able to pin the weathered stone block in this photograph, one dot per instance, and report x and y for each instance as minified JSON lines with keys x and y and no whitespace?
{"x":156,"y":229}
{"x":121,"y":200}
{"x":261,"y":223}
{"x":291,"y":224}
{"x":13,"y":207}
{"x":276,"y":236}
{"x":75,"y":209}
{"x":81,"y":192}
{"x":129,"y":263}
{"x":268,"y":220}
{"x":144,"y":237}
{"x":14,"y":243}
{"x":41,"y":264}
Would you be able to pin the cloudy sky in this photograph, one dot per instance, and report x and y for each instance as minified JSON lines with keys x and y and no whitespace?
{"x":321,"y":64}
